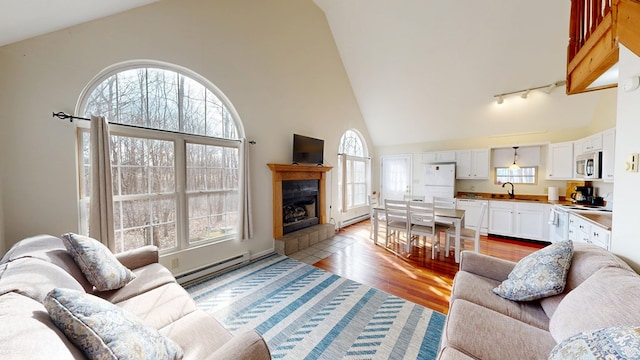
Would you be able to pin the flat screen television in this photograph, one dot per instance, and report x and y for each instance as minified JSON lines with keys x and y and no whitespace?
{"x":307,"y":150}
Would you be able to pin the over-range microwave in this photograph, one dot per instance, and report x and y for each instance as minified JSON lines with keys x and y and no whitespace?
{"x":588,"y":165}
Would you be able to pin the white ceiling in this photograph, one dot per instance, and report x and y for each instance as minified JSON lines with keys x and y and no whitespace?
{"x":421,"y":70}
{"x":22,"y":19}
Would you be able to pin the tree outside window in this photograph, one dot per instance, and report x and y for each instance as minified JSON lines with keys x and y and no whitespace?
{"x":354,"y":168}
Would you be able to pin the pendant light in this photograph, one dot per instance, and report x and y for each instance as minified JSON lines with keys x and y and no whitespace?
{"x":514,"y":166}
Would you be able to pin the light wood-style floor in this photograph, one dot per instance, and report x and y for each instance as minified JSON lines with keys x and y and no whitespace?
{"x":412,"y":276}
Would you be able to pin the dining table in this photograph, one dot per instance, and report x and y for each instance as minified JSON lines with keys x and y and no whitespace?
{"x":442,"y":216}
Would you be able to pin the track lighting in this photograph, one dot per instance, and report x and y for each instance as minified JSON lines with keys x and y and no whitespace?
{"x":525,"y":92}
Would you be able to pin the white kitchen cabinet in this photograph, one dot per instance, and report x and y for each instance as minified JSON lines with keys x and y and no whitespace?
{"x":590,"y":143}
{"x":560,"y":161}
{"x":501,"y":217}
{"x":472,"y":164}
{"x":584,"y":231}
{"x":608,"y":154}
{"x":525,"y":220}
{"x":472,"y":209}
{"x":438,"y":157}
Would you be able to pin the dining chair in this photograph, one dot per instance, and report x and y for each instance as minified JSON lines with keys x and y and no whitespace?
{"x":444,"y":202}
{"x":396,"y":213}
{"x":414,"y":198}
{"x":466,"y":234}
{"x":373,"y":203}
{"x":423,"y":223}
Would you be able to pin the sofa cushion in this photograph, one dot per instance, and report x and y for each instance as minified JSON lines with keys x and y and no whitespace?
{"x":103,"y":330}
{"x":619,"y":342}
{"x":34,"y":278}
{"x":587,"y":259}
{"x":540,"y":274}
{"x":198,"y":334}
{"x":608,"y":298}
{"x":479,"y":290}
{"x":97,"y":262}
{"x":170,"y":302}
{"x":27,"y":332}
{"x":147,"y":278}
{"x":48,"y":248}
{"x":482,"y":333}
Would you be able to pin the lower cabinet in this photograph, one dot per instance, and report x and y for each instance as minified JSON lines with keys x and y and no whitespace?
{"x":581,"y":230}
{"x":525,"y":220}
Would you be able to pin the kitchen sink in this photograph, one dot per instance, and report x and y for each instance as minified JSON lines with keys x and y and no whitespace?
{"x":506,"y":197}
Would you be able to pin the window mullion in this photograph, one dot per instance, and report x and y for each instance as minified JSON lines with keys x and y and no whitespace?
{"x":182,"y":216}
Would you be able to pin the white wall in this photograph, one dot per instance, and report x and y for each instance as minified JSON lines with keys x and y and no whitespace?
{"x":625,"y":236}
{"x":275,"y":60}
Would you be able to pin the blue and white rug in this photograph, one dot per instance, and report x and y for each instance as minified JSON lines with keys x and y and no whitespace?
{"x":307,"y":313}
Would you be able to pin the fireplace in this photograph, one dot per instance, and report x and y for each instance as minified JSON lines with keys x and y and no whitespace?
{"x":298,"y":197}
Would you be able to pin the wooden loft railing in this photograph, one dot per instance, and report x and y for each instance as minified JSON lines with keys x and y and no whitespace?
{"x":595,"y":28}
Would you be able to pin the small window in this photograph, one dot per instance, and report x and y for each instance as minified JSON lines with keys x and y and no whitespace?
{"x":524,"y":175}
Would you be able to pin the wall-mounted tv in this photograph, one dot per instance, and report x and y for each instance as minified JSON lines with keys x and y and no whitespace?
{"x":307,"y":150}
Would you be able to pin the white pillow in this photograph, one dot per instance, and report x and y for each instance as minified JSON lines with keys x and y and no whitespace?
{"x":97,"y":262}
{"x":539,"y":274}
{"x":104,"y":331}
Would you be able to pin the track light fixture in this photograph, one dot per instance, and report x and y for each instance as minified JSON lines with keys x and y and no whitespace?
{"x":525,"y":92}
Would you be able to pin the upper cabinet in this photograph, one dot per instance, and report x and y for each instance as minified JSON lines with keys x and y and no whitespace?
{"x":472,"y":164}
{"x":438,"y":157}
{"x":560,"y":161}
{"x":608,"y":154}
{"x":589,"y":144}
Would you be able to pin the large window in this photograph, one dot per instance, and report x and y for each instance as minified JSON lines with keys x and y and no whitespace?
{"x":355,"y":171}
{"x":175,"y":158}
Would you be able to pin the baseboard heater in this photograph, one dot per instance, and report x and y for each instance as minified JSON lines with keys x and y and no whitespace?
{"x":212,"y":268}
{"x":354,"y":220}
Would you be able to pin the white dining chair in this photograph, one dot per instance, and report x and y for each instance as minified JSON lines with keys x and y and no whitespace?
{"x":408,"y":197}
{"x":466,"y":234}
{"x":396,"y":214}
{"x":373,"y":203}
{"x":423,"y":224}
{"x":444,"y":202}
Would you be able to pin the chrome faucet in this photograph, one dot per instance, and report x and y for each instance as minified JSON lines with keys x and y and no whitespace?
{"x":512,"y":194}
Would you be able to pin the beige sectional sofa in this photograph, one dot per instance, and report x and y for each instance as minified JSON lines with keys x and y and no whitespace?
{"x":601,"y":292}
{"x":34,"y":266}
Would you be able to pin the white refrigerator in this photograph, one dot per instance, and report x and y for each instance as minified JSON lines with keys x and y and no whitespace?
{"x":438,"y":180}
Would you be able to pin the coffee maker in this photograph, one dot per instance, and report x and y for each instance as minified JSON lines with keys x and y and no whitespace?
{"x":583,"y":195}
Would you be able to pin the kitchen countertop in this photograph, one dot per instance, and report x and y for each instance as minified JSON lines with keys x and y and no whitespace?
{"x":600,"y":219}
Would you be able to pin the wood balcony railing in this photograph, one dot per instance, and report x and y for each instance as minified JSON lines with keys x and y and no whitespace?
{"x":595,"y":29}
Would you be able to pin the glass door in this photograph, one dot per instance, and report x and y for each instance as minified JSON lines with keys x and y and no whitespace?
{"x":395,"y":176}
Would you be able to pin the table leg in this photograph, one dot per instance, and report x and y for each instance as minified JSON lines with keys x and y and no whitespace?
{"x":375,"y":228}
{"x":458,"y":225}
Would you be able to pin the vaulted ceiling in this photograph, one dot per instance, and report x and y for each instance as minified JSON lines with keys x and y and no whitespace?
{"x":421,"y":70}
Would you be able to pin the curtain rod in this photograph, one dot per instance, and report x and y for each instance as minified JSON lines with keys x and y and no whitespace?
{"x":62,"y":115}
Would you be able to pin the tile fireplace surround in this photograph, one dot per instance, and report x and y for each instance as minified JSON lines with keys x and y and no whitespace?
{"x":282,"y":172}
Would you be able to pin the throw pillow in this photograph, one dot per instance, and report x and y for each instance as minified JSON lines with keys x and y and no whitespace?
{"x":104,"y":331}
{"x":97,"y":262}
{"x":619,"y":342}
{"x":539,"y":274}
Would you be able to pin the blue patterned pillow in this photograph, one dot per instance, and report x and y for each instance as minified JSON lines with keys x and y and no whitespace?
{"x":539,"y":274}
{"x":97,"y":262}
{"x":104,"y":331}
{"x":619,"y":342}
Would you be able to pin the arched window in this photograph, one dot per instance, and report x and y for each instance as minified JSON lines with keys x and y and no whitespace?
{"x":175,"y":156}
{"x":355,"y":173}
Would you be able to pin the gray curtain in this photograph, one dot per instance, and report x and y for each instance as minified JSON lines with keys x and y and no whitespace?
{"x":247,"y":222}
{"x":101,"y":204}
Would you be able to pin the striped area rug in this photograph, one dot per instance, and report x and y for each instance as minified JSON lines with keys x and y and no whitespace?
{"x":307,"y":313}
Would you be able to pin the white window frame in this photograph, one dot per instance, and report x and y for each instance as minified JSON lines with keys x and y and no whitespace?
{"x":346,"y":181}
{"x":179,"y":139}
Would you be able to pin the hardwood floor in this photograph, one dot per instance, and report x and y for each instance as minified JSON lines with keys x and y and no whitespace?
{"x":412,"y":276}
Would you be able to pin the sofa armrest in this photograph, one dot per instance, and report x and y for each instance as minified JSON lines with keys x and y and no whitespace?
{"x":248,"y":345}
{"x":139,"y":257}
{"x":485,"y":265}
